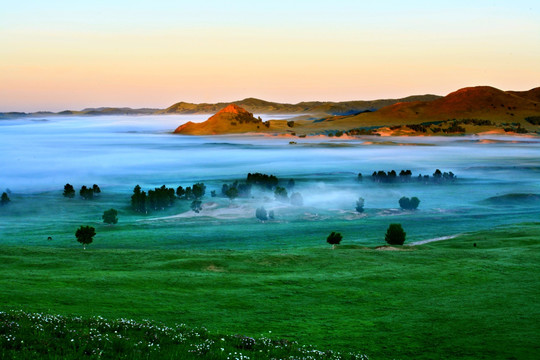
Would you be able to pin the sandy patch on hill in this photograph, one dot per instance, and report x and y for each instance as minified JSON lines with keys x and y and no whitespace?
{"x":233,"y":211}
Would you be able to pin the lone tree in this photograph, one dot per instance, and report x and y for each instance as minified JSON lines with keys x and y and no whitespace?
{"x":5,"y":199}
{"x":334,"y":239}
{"x":110,"y":216}
{"x":360,"y":205}
{"x":395,"y":235}
{"x":261,"y":214}
{"x":86,"y":193}
{"x":69,"y":191}
{"x":96,"y":189}
{"x":196,"y":206}
{"x":85,"y":235}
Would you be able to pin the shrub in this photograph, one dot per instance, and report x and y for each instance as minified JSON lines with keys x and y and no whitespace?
{"x":85,"y":234}
{"x":395,"y":235}
{"x":110,"y":216}
{"x":334,"y":239}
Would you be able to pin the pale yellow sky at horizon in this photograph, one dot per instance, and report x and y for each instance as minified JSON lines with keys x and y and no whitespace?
{"x":57,"y":64}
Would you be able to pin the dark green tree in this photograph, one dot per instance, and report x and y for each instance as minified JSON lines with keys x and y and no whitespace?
{"x":69,"y":191}
{"x":86,"y":193}
{"x":231,"y":193}
{"x":409,"y":204}
{"x":138,"y":200}
{"x":85,"y":235}
{"x":360,"y":205}
{"x":96,"y":189}
{"x":395,"y":235}
{"x":261,"y":214}
{"x":110,"y":216}
{"x":334,"y":239}
{"x":5,"y":199}
{"x":281,"y":194}
{"x":180,"y":191}
{"x":199,"y":189}
{"x":196,"y":205}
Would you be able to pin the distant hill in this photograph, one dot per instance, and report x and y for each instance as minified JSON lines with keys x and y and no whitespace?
{"x":231,"y":119}
{"x":313,"y":107}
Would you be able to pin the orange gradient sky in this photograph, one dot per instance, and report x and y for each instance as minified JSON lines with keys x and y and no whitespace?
{"x":56,"y":55}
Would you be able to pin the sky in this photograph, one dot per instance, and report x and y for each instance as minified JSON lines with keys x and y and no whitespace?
{"x":57,"y":55}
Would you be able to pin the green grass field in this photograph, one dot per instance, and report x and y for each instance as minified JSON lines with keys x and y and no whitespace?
{"x":444,"y":299}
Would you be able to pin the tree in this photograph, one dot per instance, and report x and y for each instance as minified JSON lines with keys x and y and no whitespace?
{"x":232,"y":193}
{"x":395,"y":235}
{"x":138,"y":200}
{"x":271,"y":214}
{"x":409,"y":204}
{"x":85,"y":235}
{"x":334,"y":239}
{"x":5,"y":199}
{"x":281,"y":194}
{"x":180,"y":191}
{"x":69,"y":191}
{"x":196,"y":206}
{"x":110,"y":216}
{"x":96,"y":189}
{"x":86,"y":193}
{"x":261,"y":214}
{"x":360,"y":205}
{"x":296,"y":199}
{"x":198,"y":190}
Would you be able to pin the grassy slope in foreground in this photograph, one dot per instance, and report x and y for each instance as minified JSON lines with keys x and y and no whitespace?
{"x":440,"y":300}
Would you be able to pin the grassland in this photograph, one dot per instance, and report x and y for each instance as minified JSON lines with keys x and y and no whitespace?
{"x":446,"y":299}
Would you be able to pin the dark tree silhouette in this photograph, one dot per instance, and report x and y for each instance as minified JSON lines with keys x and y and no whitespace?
{"x":180,"y":191}
{"x":199,"y":189}
{"x":110,"y":216}
{"x":281,"y":194}
{"x":360,"y":205}
{"x":395,"y":235}
{"x":96,"y":189}
{"x":69,"y":191}
{"x":86,"y":193}
{"x":85,"y":235}
{"x":5,"y":199}
{"x":261,"y":214}
{"x":409,"y":204}
{"x":138,"y":200}
{"x":231,"y":193}
{"x":334,"y":239}
{"x":196,"y":205}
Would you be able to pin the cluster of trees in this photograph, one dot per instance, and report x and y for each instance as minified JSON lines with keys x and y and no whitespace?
{"x":234,"y":190}
{"x":262,"y":180}
{"x":5,"y":199}
{"x":409,"y":204}
{"x":406,"y":176}
{"x":163,"y":197}
{"x":194,"y":192}
{"x":85,"y":192}
{"x":263,"y":215}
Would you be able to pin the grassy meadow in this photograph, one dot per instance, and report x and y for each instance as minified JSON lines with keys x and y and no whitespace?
{"x":446,"y":299}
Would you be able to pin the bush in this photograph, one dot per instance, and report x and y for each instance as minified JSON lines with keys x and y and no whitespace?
{"x":395,"y":235}
{"x":110,"y":216}
{"x":334,"y":239}
{"x":85,"y":235}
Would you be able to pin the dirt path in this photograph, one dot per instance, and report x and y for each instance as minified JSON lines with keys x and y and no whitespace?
{"x":421,"y":242}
